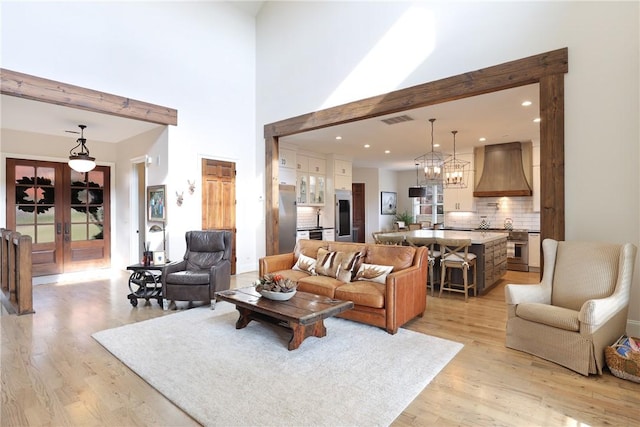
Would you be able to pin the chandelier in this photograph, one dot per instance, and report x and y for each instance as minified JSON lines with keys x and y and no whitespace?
{"x":81,"y":161}
{"x":456,"y":171}
{"x":431,"y":164}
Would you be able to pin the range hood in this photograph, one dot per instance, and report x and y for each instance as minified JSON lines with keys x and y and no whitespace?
{"x":503,"y":170}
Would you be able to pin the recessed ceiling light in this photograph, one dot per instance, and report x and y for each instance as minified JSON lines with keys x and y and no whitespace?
{"x":387,"y":151}
{"x":536,"y":120}
{"x":436,"y":145}
{"x":366,"y":146}
{"x":482,"y":139}
{"x":526,"y":103}
{"x":338,"y":137}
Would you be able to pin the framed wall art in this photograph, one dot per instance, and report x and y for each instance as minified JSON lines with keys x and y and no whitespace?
{"x":388,"y":202}
{"x":156,"y":203}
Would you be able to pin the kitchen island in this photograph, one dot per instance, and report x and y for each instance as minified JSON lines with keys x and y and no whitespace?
{"x":489,"y":247}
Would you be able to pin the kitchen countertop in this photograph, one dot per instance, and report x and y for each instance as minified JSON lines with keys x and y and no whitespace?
{"x":314,"y":228}
{"x":477,"y":237}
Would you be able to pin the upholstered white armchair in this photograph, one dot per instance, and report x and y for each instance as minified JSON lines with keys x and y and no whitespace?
{"x":579,"y":308}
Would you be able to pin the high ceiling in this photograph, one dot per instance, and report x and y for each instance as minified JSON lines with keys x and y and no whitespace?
{"x":499,"y":117}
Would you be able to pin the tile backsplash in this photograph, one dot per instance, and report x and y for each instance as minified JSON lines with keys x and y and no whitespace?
{"x":308,"y":216}
{"x":495,"y":210}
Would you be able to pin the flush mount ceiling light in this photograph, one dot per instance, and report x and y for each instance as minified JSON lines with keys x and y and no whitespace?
{"x":431,"y":164}
{"x":456,"y":171}
{"x":81,"y":161}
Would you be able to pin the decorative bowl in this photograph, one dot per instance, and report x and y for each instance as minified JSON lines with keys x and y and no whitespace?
{"x":278,"y":296}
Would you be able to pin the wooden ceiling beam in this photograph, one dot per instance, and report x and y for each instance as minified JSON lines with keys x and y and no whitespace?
{"x":35,"y":88}
{"x":499,"y":77}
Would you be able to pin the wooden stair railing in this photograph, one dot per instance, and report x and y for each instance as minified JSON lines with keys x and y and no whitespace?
{"x":15,"y":271}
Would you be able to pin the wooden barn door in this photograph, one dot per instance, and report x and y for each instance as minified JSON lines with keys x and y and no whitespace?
{"x":219,"y":199}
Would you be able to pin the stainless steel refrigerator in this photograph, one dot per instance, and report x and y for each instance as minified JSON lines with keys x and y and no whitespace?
{"x":288,"y":218}
{"x":344,"y":216}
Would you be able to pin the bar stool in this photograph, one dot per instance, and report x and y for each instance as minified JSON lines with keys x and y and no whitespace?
{"x":433,"y":255}
{"x":454,"y":253}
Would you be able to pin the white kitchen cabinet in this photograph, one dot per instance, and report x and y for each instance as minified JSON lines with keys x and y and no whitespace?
{"x":287,"y":176}
{"x":342,"y":167}
{"x":342,"y":174}
{"x":302,"y":163}
{"x":317,"y":166}
{"x":534,"y":251}
{"x":287,"y":159}
{"x":311,"y":185}
{"x":302,"y":188}
{"x":461,"y":199}
{"x":302,"y":235}
{"x":329,"y":234}
{"x":287,"y":167}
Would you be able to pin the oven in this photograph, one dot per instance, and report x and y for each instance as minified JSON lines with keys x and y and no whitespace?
{"x":518,"y":250}
{"x":315,"y":234}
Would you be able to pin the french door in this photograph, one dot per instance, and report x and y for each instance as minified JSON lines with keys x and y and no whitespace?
{"x":66,"y":213}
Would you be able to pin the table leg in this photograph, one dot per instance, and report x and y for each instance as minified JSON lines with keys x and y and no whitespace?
{"x":245,"y":317}
{"x":300,"y":332}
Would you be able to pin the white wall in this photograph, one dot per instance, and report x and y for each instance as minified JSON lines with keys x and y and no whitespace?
{"x":324,"y":41}
{"x":196,"y":57}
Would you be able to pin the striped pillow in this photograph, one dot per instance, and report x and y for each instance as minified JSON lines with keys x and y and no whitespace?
{"x":339,"y":265}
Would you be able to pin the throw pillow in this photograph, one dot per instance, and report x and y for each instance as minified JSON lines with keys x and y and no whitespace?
{"x":327,"y":263}
{"x":306,"y":264}
{"x":374,"y":273}
{"x":348,"y":265}
{"x":336,"y":264}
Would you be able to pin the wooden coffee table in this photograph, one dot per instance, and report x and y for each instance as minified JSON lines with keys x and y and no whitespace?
{"x":304,"y":314}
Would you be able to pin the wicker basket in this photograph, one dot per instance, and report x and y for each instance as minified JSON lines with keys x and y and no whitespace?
{"x":628,"y":367}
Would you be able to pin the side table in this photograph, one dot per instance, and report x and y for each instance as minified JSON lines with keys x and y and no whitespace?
{"x":145,"y":282}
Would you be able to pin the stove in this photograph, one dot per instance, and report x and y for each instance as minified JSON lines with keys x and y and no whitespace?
{"x":518,"y":250}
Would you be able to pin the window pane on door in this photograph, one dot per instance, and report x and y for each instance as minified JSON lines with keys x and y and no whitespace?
{"x":46,"y":233}
{"x":78,"y":232}
{"x":87,"y":205}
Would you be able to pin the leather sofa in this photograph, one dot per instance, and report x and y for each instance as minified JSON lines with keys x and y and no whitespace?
{"x":401,"y":297}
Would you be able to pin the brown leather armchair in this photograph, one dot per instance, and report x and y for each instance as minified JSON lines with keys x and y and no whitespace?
{"x":205,"y":269}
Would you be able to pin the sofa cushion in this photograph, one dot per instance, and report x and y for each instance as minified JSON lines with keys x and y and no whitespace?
{"x":400,"y":257}
{"x":550,"y":315}
{"x":308,"y":247}
{"x":363,"y":293}
{"x":319,"y":285}
{"x":306,"y":264}
{"x":373,"y":273}
{"x":294,"y":275}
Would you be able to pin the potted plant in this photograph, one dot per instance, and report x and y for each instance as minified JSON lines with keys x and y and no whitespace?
{"x":276,"y":287}
{"x":405,"y":217}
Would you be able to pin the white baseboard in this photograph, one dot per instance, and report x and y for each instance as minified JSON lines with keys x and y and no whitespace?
{"x":633,"y":328}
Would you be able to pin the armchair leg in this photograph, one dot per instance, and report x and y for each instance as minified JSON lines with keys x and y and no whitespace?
{"x":213,"y":304}
{"x":165,"y":304}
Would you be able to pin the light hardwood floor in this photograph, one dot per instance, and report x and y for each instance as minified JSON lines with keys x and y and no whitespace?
{"x":54,"y":373}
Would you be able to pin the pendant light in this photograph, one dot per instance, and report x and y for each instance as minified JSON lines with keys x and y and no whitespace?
{"x":456,"y":171}
{"x":417,"y":191}
{"x":431,"y":164}
{"x":81,"y":161}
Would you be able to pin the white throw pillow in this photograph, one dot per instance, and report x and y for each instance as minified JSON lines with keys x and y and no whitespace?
{"x":306,"y":264}
{"x":374,"y":273}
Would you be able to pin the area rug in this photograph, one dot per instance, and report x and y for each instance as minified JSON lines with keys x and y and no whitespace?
{"x":356,"y":375}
